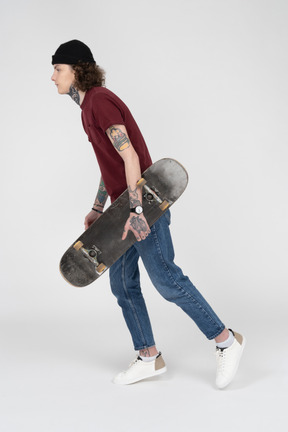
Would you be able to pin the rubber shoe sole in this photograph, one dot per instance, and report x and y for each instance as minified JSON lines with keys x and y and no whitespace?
{"x":140,"y":370}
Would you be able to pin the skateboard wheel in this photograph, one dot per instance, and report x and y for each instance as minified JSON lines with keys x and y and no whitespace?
{"x":78,"y":245}
{"x":100,"y":268}
{"x":141,"y":182}
{"x":165,"y":204}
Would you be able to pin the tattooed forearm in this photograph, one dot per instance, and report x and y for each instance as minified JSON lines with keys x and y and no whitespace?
{"x":138,"y":224}
{"x":134,"y":197}
{"x":102,"y":195}
{"x":120,"y":139}
{"x":74,"y":94}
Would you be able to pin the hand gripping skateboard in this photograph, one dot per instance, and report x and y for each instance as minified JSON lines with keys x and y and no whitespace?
{"x":101,"y":245}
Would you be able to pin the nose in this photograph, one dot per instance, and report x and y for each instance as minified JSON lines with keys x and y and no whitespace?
{"x":53,"y":77}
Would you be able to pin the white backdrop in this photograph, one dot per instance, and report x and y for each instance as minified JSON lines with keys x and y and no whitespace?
{"x":207,"y":84}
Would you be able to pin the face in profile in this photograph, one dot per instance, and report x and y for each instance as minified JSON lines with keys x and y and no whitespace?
{"x":63,"y":77}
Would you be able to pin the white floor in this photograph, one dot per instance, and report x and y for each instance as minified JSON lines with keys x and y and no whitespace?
{"x":56,"y":377}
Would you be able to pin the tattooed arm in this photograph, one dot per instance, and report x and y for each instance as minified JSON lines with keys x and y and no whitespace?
{"x":98,"y":205}
{"x":101,"y":197}
{"x":119,"y":138}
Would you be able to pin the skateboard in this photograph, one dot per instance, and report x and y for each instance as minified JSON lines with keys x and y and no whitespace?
{"x":101,"y":245}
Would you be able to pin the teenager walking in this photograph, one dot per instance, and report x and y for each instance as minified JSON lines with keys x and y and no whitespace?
{"x":122,"y":155}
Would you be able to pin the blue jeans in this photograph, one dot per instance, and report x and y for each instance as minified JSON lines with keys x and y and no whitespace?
{"x":157,"y":254}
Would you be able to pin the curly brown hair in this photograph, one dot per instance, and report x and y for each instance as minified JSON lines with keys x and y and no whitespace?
{"x":88,"y":75}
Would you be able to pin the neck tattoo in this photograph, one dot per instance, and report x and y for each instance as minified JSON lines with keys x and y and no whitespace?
{"x":74,"y":94}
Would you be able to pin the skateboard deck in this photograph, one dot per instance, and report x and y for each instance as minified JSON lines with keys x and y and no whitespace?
{"x":101,"y":245}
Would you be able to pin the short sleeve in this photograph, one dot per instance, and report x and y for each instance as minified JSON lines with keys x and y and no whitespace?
{"x":106,"y":112}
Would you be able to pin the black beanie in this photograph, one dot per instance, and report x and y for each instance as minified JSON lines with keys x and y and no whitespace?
{"x":72,"y":52}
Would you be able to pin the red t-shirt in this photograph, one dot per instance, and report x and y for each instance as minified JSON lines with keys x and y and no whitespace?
{"x":100,"y":110}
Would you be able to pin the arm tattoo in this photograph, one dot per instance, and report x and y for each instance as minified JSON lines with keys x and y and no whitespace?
{"x":74,"y":94}
{"x":119,"y":138}
{"x":133,"y":197}
{"x":102,"y":195}
{"x":138,"y":224}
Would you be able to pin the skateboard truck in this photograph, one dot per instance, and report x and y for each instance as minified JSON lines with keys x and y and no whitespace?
{"x":151,"y":195}
{"x":92,"y":255}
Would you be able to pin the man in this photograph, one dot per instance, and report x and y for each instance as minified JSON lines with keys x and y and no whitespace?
{"x":122,"y":155}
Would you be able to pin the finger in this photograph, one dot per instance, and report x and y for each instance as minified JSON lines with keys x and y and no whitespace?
{"x":125,"y":231}
{"x":145,"y":234}
{"x":124,"y":235}
{"x":137,"y":235}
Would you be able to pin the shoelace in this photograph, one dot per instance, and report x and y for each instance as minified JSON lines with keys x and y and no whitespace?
{"x":221,"y":356}
{"x":136,"y":360}
{"x":130,"y":365}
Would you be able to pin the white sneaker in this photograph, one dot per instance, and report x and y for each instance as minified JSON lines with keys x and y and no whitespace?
{"x":228,"y":361}
{"x":139,"y":370}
